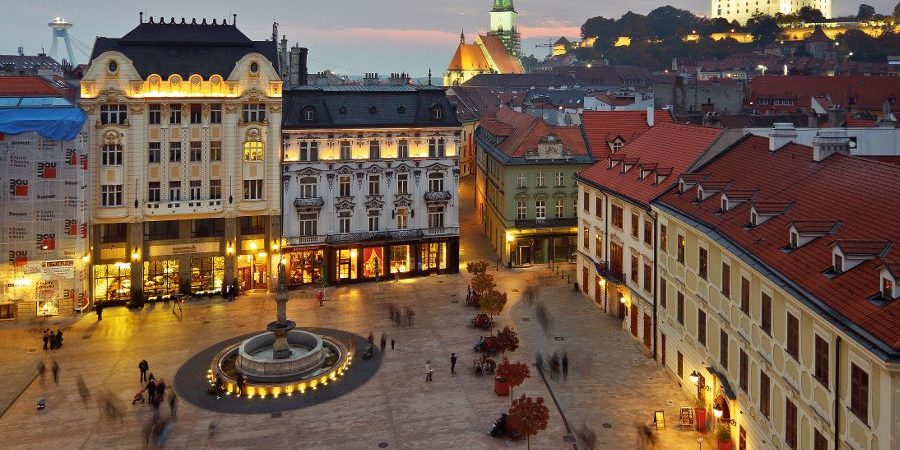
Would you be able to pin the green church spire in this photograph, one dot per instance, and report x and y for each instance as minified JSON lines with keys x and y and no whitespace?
{"x":503,"y":5}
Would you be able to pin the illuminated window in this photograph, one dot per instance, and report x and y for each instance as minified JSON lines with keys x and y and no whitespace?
{"x":253,"y":151}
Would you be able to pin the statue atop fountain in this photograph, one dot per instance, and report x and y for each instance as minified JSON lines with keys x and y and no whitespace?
{"x":281,"y":326}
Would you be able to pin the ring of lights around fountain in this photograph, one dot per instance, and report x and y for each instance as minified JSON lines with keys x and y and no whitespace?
{"x":263,"y":387}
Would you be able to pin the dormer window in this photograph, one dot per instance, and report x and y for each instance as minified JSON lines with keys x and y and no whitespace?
{"x":795,"y":239}
{"x":682,"y":186}
{"x":437,"y":112}
{"x":838,"y":263}
{"x":754,"y":218}
{"x":889,"y":274}
{"x":887,"y":288}
{"x":700,"y":194}
{"x":309,"y":114}
{"x":724,"y":204}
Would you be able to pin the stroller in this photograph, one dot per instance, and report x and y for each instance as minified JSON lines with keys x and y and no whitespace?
{"x":499,"y":428}
{"x":138,"y":398}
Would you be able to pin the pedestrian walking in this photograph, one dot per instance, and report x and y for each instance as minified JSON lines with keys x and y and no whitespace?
{"x":392,"y":343}
{"x":565,"y":365}
{"x":42,"y":370}
{"x":55,"y":369}
{"x":539,"y":361}
{"x":428,"y":371}
{"x":143,"y":366}
{"x":409,"y":316}
{"x":173,"y":404}
{"x":177,"y":302}
{"x":99,"y":310}
{"x":59,"y":338}
{"x":46,"y":338}
{"x":383,"y":342}
{"x":321,"y":297}
{"x":453,"y":363}
{"x":150,"y":388}
{"x":83,"y":390}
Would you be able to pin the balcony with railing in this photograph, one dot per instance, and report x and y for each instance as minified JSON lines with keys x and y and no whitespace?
{"x":308,"y":202}
{"x":610,"y":273}
{"x":438,"y":196}
{"x":443,"y":231}
{"x":547,"y":223}
{"x":184,"y":207}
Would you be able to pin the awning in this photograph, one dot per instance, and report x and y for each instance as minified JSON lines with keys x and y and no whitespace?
{"x":723,"y":380}
{"x":54,"y":123}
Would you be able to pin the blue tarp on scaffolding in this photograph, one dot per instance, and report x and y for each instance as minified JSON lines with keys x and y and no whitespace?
{"x":54,"y":122}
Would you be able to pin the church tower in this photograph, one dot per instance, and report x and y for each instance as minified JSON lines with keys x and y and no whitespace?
{"x":504,"y":26}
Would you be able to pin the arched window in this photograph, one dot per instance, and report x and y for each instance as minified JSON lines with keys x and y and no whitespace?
{"x":253,"y":150}
{"x":309,"y":113}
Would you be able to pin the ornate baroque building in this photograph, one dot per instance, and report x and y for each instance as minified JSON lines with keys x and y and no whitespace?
{"x":370,"y":183}
{"x":185,"y":127}
{"x":744,"y":9}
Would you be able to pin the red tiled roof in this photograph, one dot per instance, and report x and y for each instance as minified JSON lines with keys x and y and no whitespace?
{"x":602,"y":127}
{"x":29,"y":87}
{"x":885,"y":159}
{"x":495,"y":50}
{"x":852,"y":92}
{"x":738,"y":194}
{"x":523,"y":132}
{"x":893,"y":268}
{"x":863,"y":247}
{"x":671,"y":145}
{"x":772,"y":207}
{"x":863,"y":195}
{"x":814,"y":226}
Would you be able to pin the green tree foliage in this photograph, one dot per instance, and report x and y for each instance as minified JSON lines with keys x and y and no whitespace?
{"x":492,"y":303}
{"x":605,"y":30}
{"x":867,"y":48}
{"x":866,"y":12}
{"x":764,"y":28}
{"x":668,"y":23}
{"x":811,"y":15}
{"x":529,"y":63}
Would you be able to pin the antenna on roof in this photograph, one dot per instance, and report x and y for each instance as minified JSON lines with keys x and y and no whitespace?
{"x":429,"y":76}
{"x":140,"y":17}
{"x":234,"y":19}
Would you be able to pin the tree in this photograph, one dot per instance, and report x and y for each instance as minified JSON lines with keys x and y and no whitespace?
{"x":492,"y":303}
{"x":764,"y":28}
{"x":513,"y":373}
{"x":482,"y":283}
{"x":669,"y":23}
{"x":811,"y":15}
{"x":528,"y":416}
{"x":530,"y":63}
{"x":866,"y":12}
{"x":507,"y":340}
{"x":477,"y":267}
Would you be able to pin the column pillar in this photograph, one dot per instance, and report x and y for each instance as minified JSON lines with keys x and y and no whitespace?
{"x":135,"y":254}
{"x":230,"y":250}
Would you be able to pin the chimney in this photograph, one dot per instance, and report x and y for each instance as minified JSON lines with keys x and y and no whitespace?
{"x":835,"y":116}
{"x":298,"y":66}
{"x":781,"y":134}
{"x":650,"y":118}
{"x":829,"y":141}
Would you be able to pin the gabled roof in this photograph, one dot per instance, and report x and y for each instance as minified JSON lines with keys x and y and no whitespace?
{"x":33,"y":86}
{"x":603,"y":127}
{"x":562,"y":41}
{"x":468,"y":57}
{"x":495,"y":51}
{"x":185,"y":48}
{"x":863,"y":248}
{"x":670,"y":145}
{"x":521,"y":133}
{"x":473,"y":102}
{"x":366,"y":106}
{"x":852,"y":92}
{"x":863,"y":195}
{"x":815,"y":226}
{"x":893,"y":268}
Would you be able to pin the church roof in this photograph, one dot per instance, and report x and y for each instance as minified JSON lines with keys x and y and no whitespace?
{"x":562,"y":41}
{"x":503,"y":5}
{"x":496,"y":51}
{"x":468,"y":57}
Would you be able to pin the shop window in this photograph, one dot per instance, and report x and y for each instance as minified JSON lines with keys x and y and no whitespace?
{"x":161,"y":278}
{"x":304,"y":267}
{"x":112,"y":282}
{"x":113,"y":232}
{"x":46,"y":307}
{"x":401,"y":259}
{"x":253,"y":271}
{"x":346,"y":264}
{"x":207,"y":274}
{"x":434,"y":255}
{"x":373,"y":262}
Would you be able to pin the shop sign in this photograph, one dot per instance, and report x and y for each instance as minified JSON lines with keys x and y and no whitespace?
{"x":62,"y":269}
{"x":112,"y":253}
{"x":183,"y":249}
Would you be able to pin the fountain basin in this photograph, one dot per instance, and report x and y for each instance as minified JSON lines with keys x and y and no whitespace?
{"x":256,"y":359}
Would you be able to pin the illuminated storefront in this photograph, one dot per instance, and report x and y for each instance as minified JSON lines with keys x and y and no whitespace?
{"x":112,"y":282}
{"x":401,"y":258}
{"x":253,"y":272}
{"x":434,"y":256}
{"x":207,"y":275}
{"x":373,"y":262}
{"x":346,"y":264}
{"x":161,"y":279}
{"x":304,"y":267}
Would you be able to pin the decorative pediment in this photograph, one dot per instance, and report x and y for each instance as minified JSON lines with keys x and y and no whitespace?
{"x":344,"y":204}
{"x":402,"y":201}
{"x":541,"y":196}
{"x":374,"y":201}
{"x":308,"y":204}
{"x":252,"y":134}
{"x":437,"y":197}
{"x":437,"y":167}
{"x":308,"y":172}
{"x":345,"y":170}
{"x":521,"y":195}
{"x":111,"y":137}
{"x":403,"y":168}
{"x":559,"y":194}
{"x":376,"y":170}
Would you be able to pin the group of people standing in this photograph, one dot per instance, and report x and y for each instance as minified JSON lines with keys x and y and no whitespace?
{"x":159,"y":427}
{"x":52,"y":341}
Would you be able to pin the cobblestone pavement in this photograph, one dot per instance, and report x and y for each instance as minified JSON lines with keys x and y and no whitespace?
{"x":610,"y":381}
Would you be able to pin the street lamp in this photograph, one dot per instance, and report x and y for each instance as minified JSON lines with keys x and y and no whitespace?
{"x":695,"y":377}
{"x":717,"y":411}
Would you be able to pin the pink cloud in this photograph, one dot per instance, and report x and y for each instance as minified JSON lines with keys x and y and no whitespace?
{"x":549,"y":31}
{"x":376,"y":35}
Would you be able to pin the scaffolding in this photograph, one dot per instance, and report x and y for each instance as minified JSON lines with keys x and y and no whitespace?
{"x":44,"y":242}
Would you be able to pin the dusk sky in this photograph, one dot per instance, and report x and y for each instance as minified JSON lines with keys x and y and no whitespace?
{"x":348,"y":36}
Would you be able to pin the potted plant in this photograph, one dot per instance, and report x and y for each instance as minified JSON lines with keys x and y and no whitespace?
{"x":700,"y":413}
{"x":724,"y":436}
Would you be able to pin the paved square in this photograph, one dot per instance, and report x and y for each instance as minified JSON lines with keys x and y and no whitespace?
{"x":610,"y":382}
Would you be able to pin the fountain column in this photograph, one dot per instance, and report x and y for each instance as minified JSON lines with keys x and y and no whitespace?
{"x":281,"y":326}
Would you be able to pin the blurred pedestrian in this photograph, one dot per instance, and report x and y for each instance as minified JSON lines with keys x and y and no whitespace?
{"x":173,"y":404}
{"x":83,"y":390}
{"x":587,"y":437}
{"x":392,"y":343}
{"x":453,"y":363}
{"x":99,"y":310}
{"x":42,"y":370}
{"x":59,"y":338}
{"x":371,"y":338}
{"x":383,"y":342}
{"x":428,"y":371}
{"x":55,"y":369}
{"x":143,"y":366}
{"x":565,"y":365}
{"x":409,"y":316}
{"x":46,"y":338}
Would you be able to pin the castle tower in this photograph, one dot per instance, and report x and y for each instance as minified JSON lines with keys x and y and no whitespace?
{"x":504,"y":26}
{"x":60,"y":31}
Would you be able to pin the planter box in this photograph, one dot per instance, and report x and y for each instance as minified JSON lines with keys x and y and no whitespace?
{"x":501,"y":387}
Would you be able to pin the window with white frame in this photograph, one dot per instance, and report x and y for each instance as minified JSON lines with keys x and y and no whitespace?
{"x":309,"y":151}
{"x":174,"y":191}
{"x":254,"y":112}
{"x":153,"y":152}
{"x":346,"y":150}
{"x":435,"y":182}
{"x":436,"y":147}
{"x":308,"y":187}
{"x":520,"y":178}
{"x":403,"y":183}
{"x":253,"y":151}
{"x":308,"y":223}
{"x":560,"y":208}
{"x":560,"y":179}
{"x":521,"y":210}
{"x":253,"y":189}
{"x":374,"y":149}
{"x":154,"y":113}
{"x":344,"y":185}
{"x":344,"y":221}
{"x":374,"y":185}
{"x":373,"y":219}
{"x":403,"y":149}
{"x":540,"y":179}
{"x":540,"y":209}
{"x":111,"y":195}
{"x":195,"y":189}
{"x":113,"y":113}
{"x":111,"y":155}
{"x":215,"y":189}
{"x":435,"y":217}
{"x":153,"y":191}
{"x":175,"y":115}
{"x":402,"y":218}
